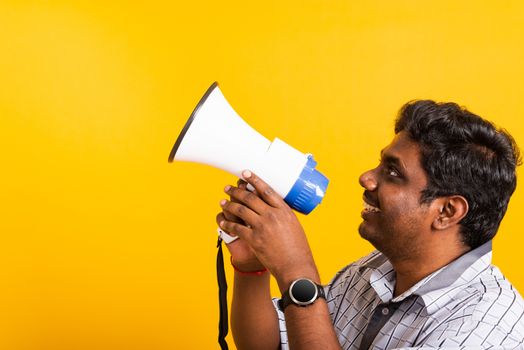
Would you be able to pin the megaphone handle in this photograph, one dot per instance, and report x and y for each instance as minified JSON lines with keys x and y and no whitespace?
{"x":226,"y":237}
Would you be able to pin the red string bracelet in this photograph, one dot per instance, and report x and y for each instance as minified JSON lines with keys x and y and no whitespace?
{"x":256,"y":273}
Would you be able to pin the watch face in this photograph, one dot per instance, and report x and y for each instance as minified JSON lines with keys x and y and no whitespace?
{"x":303,"y":291}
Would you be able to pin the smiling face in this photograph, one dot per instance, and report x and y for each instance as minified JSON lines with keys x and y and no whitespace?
{"x":395,"y":221}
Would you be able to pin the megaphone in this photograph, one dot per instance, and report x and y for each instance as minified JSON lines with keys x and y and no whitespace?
{"x":217,"y":136}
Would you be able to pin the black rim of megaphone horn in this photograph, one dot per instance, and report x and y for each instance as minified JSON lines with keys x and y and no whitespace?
{"x":190,"y":120}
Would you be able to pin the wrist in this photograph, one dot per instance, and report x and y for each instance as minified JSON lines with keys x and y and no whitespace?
{"x":248,"y":271}
{"x":302,"y":292}
{"x":284,"y":281}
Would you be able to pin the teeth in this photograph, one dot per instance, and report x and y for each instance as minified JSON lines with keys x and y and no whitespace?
{"x":371,"y":208}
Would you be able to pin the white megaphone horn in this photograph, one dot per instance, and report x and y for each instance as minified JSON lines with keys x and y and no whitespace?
{"x":216,"y":135}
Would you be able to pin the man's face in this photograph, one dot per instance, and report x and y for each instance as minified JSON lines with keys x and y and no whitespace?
{"x":394,"y":220}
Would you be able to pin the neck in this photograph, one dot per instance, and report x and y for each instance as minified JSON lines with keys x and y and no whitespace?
{"x":414,"y":268}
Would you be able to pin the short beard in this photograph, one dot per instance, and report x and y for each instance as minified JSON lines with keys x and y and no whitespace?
{"x":388,"y":245}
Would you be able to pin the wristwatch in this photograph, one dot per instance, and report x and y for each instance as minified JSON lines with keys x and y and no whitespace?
{"x":301,"y":292}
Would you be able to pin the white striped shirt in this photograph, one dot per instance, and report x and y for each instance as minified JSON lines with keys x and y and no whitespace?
{"x":465,"y":305}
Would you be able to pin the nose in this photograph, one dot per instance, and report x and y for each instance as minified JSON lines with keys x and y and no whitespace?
{"x":368,"y":180}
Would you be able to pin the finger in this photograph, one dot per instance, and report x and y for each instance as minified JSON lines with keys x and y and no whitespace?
{"x":241,"y":183}
{"x":235,"y":229}
{"x":229,"y":238}
{"x":250,"y":199}
{"x":263,"y":189}
{"x":219,"y":218}
{"x":230,"y":217}
{"x":241,"y":211}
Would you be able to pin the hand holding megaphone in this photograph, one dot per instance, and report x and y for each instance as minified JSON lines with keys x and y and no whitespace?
{"x":216,"y":135}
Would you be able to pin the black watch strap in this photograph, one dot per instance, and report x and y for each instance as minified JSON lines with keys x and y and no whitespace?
{"x":287,"y":298}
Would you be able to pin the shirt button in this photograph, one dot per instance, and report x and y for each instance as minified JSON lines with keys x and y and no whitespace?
{"x":385,"y":311}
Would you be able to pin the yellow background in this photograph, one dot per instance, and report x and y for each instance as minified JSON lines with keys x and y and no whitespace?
{"x":104,"y":245}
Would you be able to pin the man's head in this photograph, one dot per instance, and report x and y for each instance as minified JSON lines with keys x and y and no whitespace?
{"x":463,"y":154}
{"x":445,"y":168}
{"x":461,"y":170}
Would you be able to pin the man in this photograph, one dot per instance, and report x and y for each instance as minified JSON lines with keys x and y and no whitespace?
{"x":431,"y":209}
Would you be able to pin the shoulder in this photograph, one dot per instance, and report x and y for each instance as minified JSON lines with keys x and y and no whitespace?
{"x":347,"y":274}
{"x":500,"y":303}
{"x":488,"y":311}
{"x":492,"y":309}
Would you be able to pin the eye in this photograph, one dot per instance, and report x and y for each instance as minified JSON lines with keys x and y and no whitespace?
{"x":393,"y":172}
{"x":389,"y":169}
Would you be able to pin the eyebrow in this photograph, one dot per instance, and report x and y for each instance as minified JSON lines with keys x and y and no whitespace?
{"x":391,"y":159}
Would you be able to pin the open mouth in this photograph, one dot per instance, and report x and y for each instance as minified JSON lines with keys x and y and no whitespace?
{"x":370,"y":204}
{"x":369,"y":208}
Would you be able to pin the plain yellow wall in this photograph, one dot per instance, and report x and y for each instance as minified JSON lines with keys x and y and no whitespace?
{"x":104,"y":245}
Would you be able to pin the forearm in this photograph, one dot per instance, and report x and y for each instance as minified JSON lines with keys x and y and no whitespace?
{"x":310,"y":327}
{"x":254,"y":321}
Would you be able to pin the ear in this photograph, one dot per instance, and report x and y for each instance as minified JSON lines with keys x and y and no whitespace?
{"x":452,"y":209}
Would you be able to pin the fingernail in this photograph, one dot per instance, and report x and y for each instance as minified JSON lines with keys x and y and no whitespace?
{"x":227,"y":188}
{"x":246,"y":174}
{"x":223,"y":202}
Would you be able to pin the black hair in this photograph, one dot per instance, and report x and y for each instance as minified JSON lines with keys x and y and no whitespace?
{"x":465,"y":155}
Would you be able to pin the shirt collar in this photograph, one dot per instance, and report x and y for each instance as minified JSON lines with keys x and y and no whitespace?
{"x":382,"y":277}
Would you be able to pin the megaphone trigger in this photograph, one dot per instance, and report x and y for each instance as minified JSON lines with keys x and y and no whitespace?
{"x":250,"y":188}
{"x":226,"y":237}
